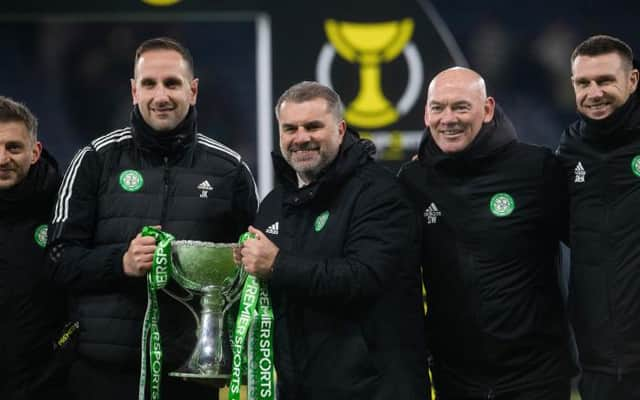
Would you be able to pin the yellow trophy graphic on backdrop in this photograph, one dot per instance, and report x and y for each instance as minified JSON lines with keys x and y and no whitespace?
{"x":370,"y":44}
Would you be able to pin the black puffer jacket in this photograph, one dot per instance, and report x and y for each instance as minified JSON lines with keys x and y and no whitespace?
{"x":349,"y":322}
{"x":193,"y":186}
{"x":601,"y":160}
{"x":492,"y":217}
{"x":31,"y":311}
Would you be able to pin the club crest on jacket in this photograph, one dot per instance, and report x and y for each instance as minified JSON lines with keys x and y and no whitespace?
{"x":502,"y":204}
{"x":131,"y":180}
{"x":40,"y":235}
{"x":635,"y":165}
{"x":321,"y":221}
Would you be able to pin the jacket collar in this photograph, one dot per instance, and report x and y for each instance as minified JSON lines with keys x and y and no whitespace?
{"x":172,"y":144}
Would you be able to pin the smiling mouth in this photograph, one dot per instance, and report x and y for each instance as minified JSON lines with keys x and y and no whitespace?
{"x":451,"y":132}
{"x":598,"y":106}
{"x":304,"y":153}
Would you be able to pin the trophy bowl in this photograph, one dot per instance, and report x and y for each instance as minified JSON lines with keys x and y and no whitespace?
{"x":208,"y":270}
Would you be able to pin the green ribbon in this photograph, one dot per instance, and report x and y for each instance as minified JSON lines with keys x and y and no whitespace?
{"x":255,"y":317}
{"x":157,"y":278}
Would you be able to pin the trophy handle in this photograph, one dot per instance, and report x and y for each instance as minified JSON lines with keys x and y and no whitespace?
{"x":183,"y":301}
{"x":232,"y":292}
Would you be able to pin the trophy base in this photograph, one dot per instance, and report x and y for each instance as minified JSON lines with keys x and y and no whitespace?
{"x":215,"y":380}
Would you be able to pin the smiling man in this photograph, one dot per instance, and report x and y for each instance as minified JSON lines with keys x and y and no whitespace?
{"x":601,"y":156}
{"x":336,"y":242}
{"x":31,"y":311}
{"x":493,"y":212}
{"x":159,"y":171}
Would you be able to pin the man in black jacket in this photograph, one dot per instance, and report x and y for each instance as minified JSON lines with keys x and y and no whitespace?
{"x":31,"y":311}
{"x":600,"y":153}
{"x":336,"y":241}
{"x":492,"y":213}
{"x":159,"y":171}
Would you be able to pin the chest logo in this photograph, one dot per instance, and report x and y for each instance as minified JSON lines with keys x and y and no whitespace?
{"x":40,"y":235}
{"x":635,"y":165}
{"x":580,"y":173}
{"x":502,"y":204}
{"x":204,"y":188}
{"x":432,"y":213}
{"x":274,"y":228}
{"x":131,"y":180}
{"x":321,"y":221}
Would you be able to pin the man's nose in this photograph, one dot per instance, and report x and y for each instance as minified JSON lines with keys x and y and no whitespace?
{"x":594,"y":90}
{"x":4,"y":156}
{"x":448,"y":116}
{"x":160,"y":92}
{"x":301,"y":135}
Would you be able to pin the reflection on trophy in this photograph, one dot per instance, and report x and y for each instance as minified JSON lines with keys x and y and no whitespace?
{"x":370,"y":44}
{"x":208,"y":270}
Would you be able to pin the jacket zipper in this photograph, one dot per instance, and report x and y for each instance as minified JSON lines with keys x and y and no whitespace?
{"x":165,"y":192}
{"x":608,"y":272}
{"x":491,"y":394}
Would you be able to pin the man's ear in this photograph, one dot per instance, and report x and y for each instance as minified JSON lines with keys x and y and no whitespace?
{"x":426,"y":115}
{"x":489,"y":109}
{"x":633,"y":80}
{"x":36,"y":152}
{"x":342,"y":127}
{"x":134,"y":100}
{"x":194,"y":90}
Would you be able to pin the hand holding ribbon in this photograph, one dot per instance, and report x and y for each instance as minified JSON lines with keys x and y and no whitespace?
{"x":157,"y":278}
{"x":255,"y":316}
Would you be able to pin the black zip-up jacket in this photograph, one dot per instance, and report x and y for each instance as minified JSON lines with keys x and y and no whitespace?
{"x":191,"y":185}
{"x":601,"y":160}
{"x":31,"y":310}
{"x":492,"y":217}
{"x":349,"y":322}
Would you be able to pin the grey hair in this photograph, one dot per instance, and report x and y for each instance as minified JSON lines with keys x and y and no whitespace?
{"x":310,"y":90}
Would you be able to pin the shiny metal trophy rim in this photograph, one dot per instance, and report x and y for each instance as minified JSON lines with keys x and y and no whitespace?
{"x":207,"y":269}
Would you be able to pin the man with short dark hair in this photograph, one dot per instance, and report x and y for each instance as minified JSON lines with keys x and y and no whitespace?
{"x":493,"y":212}
{"x":336,"y":242}
{"x":31,"y":311}
{"x":159,"y":171}
{"x":600,"y":153}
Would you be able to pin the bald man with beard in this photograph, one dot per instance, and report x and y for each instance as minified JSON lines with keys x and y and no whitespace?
{"x":493,"y":211}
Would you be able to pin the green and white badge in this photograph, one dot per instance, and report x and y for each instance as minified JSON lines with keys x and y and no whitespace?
{"x":40,"y":235}
{"x":502,"y":204}
{"x":321,"y":221}
{"x":635,"y":165}
{"x":131,"y":180}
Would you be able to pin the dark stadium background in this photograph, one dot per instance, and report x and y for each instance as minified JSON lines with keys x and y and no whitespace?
{"x":70,"y":60}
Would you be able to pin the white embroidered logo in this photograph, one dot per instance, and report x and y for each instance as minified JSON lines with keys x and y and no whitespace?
{"x":273,"y":228}
{"x":205,"y":187}
{"x":580,"y":173}
{"x":432,"y":213}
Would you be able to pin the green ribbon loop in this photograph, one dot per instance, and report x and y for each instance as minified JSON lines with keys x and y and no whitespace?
{"x":157,"y":278}
{"x":255,"y":317}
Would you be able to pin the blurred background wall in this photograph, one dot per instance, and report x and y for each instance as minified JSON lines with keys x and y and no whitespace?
{"x":71,"y":61}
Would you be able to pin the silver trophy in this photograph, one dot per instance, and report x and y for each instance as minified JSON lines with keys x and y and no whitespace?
{"x":208,"y":269}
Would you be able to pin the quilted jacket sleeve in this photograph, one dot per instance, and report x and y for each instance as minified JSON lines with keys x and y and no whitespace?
{"x":76,"y":264}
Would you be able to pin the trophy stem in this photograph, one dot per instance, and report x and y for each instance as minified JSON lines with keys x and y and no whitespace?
{"x":208,"y":358}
